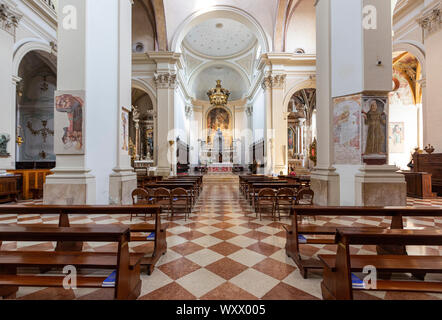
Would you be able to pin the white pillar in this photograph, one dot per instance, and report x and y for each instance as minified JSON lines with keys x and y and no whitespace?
{"x":123,"y":179}
{"x":355,"y":72}
{"x":92,"y":63}
{"x":168,"y":64}
{"x":9,"y":18}
{"x":325,"y":181}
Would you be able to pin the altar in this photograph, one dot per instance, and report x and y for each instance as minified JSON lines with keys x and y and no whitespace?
{"x":220,"y":168}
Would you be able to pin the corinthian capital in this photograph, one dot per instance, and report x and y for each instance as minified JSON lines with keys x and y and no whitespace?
{"x":431,"y":20}
{"x":9,"y":18}
{"x":165,"y":80}
{"x":274,"y":81}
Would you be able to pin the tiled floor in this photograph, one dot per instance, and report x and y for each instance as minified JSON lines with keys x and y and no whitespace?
{"x":223,"y":252}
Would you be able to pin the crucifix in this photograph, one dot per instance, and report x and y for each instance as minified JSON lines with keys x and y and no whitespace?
{"x":44,"y":132}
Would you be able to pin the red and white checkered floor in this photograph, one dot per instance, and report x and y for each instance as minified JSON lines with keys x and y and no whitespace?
{"x":224,"y":252}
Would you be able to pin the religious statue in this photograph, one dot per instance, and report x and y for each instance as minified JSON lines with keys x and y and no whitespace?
{"x":375,"y":120}
{"x":136,"y":113}
{"x":4,"y":139}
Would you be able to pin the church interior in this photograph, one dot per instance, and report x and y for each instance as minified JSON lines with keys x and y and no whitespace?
{"x":220,"y":150}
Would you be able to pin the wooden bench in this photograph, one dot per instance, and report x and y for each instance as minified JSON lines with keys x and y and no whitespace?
{"x":127,"y":266}
{"x":337,"y":283}
{"x":297,"y":229}
{"x":149,"y":259}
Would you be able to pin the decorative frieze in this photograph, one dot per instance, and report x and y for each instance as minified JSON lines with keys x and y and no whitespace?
{"x":274,"y":81}
{"x":165,"y":80}
{"x":9,"y":19}
{"x":431,"y":20}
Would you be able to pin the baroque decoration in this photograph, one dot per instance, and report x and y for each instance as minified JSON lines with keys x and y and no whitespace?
{"x":165,"y":80}
{"x":9,"y":19}
{"x":218,"y":96}
{"x":431,"y":21}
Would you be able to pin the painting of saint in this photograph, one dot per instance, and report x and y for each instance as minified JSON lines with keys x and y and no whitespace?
{"x":70,"y":123}
{"x":217,"y":119}
{"x":291,"y":139}
{"x":396,"y":137}
{"x":375,"y":120}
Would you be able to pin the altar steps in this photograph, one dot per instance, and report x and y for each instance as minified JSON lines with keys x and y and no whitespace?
{"x":218,"y":178}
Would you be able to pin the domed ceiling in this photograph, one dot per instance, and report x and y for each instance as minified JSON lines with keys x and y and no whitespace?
{"x":231,"y":80}
{"x":220,"y":38}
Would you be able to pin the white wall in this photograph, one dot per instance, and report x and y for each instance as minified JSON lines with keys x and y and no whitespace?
{"x":258,"y":116}
{"x":102,"y":94}
{"x":301,"y":31}
{"x":181,"y":123}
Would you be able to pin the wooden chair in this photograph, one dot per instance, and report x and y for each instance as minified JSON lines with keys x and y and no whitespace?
{"x":265,"y":202}
{"x":180,"y":202}
{"x":305,"y":197}
{"x":140,"y":197}
{"x":285,"y":199}
{"x":161,"y":196}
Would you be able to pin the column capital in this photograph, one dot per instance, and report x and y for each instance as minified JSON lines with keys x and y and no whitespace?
{"x":189,"y":111}
{"x":430,"y":20}
{"x":274,"y":81}
{"x":165,"y":80}
{"x":9,"y":18}
{"x":423,"y":82}
{"x":249,"y":110}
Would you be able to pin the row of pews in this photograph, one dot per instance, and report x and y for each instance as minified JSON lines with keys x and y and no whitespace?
{"x":271,"y":195}
{"x":391,"y":244}
{"x":121,"y":268}
{"x":174,"y":194}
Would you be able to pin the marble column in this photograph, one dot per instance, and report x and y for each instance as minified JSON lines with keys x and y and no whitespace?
{"x":324,"y":179}
{"x":93,"y":64}
{"x":354,"y":80}
{"x":123,"y":179}
{"x":431,"y":24}
{"x":168,"y":65}
{"x":9,"y":19}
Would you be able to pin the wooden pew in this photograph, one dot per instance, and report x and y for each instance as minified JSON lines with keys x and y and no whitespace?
{"x":297,"y":229}
{"x":149,"y":260}
{"x":127,"y":266}
{"x":337,"y":283}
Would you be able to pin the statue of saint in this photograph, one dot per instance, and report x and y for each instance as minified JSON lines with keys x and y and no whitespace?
{"x":4,"y":139}
{"x":375,"y":120}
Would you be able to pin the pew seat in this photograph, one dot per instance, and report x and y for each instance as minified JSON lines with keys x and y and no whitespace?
{"x":122,"y":264}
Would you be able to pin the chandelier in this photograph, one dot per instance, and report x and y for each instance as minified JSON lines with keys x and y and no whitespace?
{"x":218,"y":96}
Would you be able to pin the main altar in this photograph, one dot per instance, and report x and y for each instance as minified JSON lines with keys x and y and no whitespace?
{"x":218,"y":152}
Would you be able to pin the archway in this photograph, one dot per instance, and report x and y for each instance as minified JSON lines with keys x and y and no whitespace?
{"x":301,"y":118}
{"x":35,"y":110}
{"x":405,"y":116}
{"x":142,"y":129}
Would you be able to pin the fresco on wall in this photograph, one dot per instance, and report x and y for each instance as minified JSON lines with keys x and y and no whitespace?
{"x":69,"y":120}
{"x":346,"y":130}
{"x":218,"y":118}
{"x":374,"y":126}
{"x":396,"y":137}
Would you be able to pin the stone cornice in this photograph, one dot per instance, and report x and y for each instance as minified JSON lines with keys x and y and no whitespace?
{"x":286,"y":59}
{"x":44,"y":9}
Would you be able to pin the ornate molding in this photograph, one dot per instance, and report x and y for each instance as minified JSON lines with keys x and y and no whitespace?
{"x":249,"y":110}
{"x":431,"y":21}
{"x":165,"y":80}
{"x":9,"y":19}
{"x":189,"y":111}
{"x":274,"y":81}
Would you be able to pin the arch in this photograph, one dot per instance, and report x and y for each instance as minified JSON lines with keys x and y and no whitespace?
{"x":27,"y":46}
{"x":415,"y":48}
{"x":306,"y":84}
{"x":206,"y":65}
{"x":221,"y":12}
{"x":143,"y":86}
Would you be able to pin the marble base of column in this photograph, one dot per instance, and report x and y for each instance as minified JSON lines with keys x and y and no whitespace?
{"x":325,"y":184}
{"x":121,"y":185}
{"x":70,"y":187}
{"x":380,"y":186}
